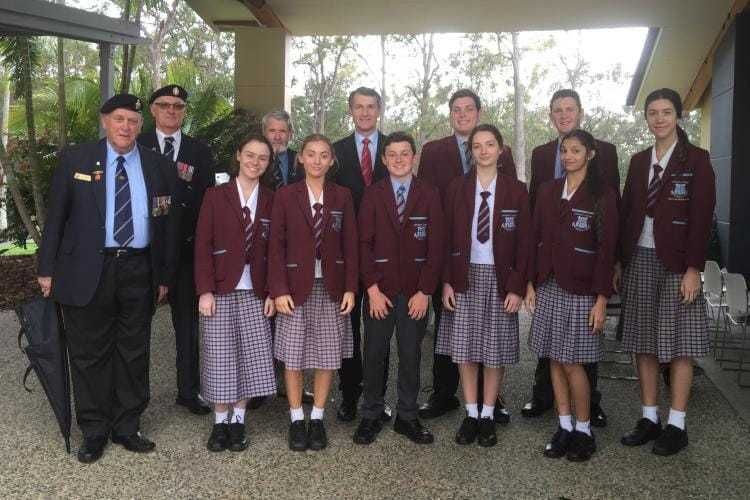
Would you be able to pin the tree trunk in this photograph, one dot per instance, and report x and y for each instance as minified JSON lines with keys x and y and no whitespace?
{"x":28,"y":98}
{"x":62,"y":125}
{"x":383,"y":39}
{"x":15,"y":193}
{"x":4,"y":115}
{"x":519,"y":113}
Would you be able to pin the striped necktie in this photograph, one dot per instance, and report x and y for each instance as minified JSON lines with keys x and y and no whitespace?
{"x":483,"y":218}
{"x":653,"y":191}
{"x":169,"y":147}
{"x":468,"y":156}
{"x":247,"y":218}
{"x":400,"y":203}
{"x":366,"y":162}
{"x":278,"y":177}
{"x":123,"y":227}
{"x":318,"y":229}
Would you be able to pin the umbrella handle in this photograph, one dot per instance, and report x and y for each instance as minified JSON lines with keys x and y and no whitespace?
{"x":29,"y":369}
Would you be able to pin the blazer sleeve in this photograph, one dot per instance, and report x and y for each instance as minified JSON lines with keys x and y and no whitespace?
{"x":430,"y":275}
{"x":351,"y":242}
{"x":518,"y":276}
{"x":368,"y":272}
{"x":277,"y":281}
{"x":534,"y":182}
{"x":605,"y":259}
{"x":507,"y":164}
{"x":626,"y":206}
{"x":701,"y":211}
{"x":204,"y":235}
{"x":613,"y":175}
{"x":58,"y":210}
{"x":426,"y":171}
{"x":448,"y":222}
{"x":534,"y":243}
{"x":171,"y":237}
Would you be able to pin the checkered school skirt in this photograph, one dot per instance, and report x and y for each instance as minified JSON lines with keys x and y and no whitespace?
{"x":236,"y":350}
{"x":479,"y":331}
{"x":655,"y":321}
{"x":560,"y":326}
{"x":315,"y":335}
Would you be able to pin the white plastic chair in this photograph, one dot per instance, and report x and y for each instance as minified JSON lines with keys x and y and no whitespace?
{"x":736,"y":316}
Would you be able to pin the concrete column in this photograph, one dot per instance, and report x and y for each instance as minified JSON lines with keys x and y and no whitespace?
{"x":262,"y":80}
{"x":106,"y":75}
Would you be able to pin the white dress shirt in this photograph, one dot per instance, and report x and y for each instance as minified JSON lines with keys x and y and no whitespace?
{"x":647,"y":234}
{"x":481,"y":253}
{"x":177,"y":136}
{"x":313,"y":201}
{"x":246,"y":283}
{"x":565,"y":195}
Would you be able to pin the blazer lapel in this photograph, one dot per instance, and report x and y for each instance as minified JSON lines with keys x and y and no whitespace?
{"x":501,"y":191}
{"x":148,"y":170}
{"x":549,"y":163}
{"x":300,"y":192}
{"x":388,"y":199}
{"x":100,"y":188}
{"x":412,"y":198}
{"x":458,"y":164}
{"x":470,"y":186}
{"x":233,"y":198}
{"x":329,"y":200}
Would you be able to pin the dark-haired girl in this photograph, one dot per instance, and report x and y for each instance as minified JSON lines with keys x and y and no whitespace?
{"x":313,"y":277}
{"x":667,"y":208}
{"x":487,"y":226}
{"x":230,"y":278}
{"x":575,"y":236}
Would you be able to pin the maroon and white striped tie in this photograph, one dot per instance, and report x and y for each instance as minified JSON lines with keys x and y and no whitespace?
{"x":653,"y":191}
{"x":483,"y":219}
{"x":247,"y":217}
{"x":400,"y":203}
{"x":318,"y":228}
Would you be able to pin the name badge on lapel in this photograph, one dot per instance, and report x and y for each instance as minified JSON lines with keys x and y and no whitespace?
{"x":582,"y":220}
{"x":337,"y":220}
{"x":185,"y":171}
{"x":82,"y":177}
{"x":221,"y":178}
{"x":679,"y":191}
{"x":160,"y":205}
{"x":265,"y":228}
{"x":509,"y":220}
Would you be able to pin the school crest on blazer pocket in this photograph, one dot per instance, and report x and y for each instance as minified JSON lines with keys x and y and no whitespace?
{"x":265,"y":228}
{"x":582,"y":220}
{"x":420,"y":227}
{"x":508,"y":218}
{"x":679,"y":190}
{"x":337,"y":220}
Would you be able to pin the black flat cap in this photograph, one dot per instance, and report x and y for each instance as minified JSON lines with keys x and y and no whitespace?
{"x":171,"y":90}
{"x":125,"y":101}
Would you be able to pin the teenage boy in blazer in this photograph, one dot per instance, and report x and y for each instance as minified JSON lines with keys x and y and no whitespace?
{"x":401,"y":247}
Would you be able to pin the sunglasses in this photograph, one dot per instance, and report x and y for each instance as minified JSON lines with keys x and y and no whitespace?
{"x":177,"y":106}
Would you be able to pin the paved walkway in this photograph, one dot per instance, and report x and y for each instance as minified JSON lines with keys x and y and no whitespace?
{"x":34,"y":463}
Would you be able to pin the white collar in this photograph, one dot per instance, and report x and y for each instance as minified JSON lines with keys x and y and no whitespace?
{"x":311,"y":196}
{"x":665,"y":159}
{"x":251,"y":201}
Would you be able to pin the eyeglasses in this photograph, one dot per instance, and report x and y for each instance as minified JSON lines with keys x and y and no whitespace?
{"x":177,"y":106}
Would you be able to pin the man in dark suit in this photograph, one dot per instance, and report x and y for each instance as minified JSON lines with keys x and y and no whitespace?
{"x":277,"y":128}
{"x":566,"y":114}
{"x":194,"y":168}
{"x":442,"y":161}
{"x":359,"y":164}
{"x":105,"y":258}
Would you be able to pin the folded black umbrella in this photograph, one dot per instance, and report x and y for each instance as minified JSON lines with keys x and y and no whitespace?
{"x":42,"y":326}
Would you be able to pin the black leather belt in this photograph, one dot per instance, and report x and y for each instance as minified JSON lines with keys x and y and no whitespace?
{"x":124,"y":251}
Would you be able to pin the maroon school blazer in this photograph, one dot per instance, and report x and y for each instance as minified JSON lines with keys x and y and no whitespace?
{"x":543,"y":166}
{"x":401,"y":257}
{"x":220,"y":241}
{"x":567,"y":246}
{"x":440,"y":163}
{"x":684,"y":209}
{"x":511,"y":230}
{"x":291,"y":252}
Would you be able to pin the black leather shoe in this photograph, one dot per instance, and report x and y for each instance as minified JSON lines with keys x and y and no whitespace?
{"x":316,"y":435}
{"x":645,"y":431}
{"x":219,"y":438}
{"x":92,"y":449}
{"x":559,"y":444}
{"x":414,"y":430}
{"x":307,"y":398}
{"x":437,"y":407}
{"x":672,"y":440}
{"x":502,"y":415}
{"x":237,"y":437}
{"x":367,"y":431}
{"x":298,"y":436}
{"x":387,"y":413}
{"x":194,"y":405}
{"x":135,"y":443}
{"x":534,"y":408}
{"x":347,"y":411}
{"x":487,"y":435}
{"x":468,"y":431}
{"x":598,"y":417}
{"x":582,"y":446}
{"x":255,"y":403}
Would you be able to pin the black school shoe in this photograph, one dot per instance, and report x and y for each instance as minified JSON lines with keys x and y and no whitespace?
{"x":298,"y":436}
{"x":437,"y":407}
{"x":414,"y":430}
{"x":534,"y":408}
{"x":367,"y":430}
{"x":468,"y":431}
{"x":598,"y":417}
{"x":558,"y":446}
{"x":487,"y":435}
{"x":672,"y":440}
{"x":316,"y":435}
{"x":219,"y":438}
{"x":582,"y":446}
{"x":501,"y":414}
{"x":237,"y":437}
{"x":645,"y":431}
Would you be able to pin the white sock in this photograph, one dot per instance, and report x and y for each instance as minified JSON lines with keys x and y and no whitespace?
{"x":238,"y":416}
{"x":677,"y":418}
{"x":584,"y":426}
{"x":297,"y":414}
{"x":317,"y":413}
{"x":651,"y":413}
{"x":566,"y":422}
{"x":473,"y":410}
{"x":221,"y":417}
{"x":488,"y":412}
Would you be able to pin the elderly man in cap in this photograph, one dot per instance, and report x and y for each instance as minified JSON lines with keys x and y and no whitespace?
{"x":104,"y":258}
{"x":194,"y":167}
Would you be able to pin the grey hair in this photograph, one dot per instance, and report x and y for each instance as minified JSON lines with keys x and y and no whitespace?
{"x":278,"y":114}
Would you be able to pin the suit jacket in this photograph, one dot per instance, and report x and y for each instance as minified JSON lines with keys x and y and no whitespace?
{"x":291,"y":261}
{"x":565,"y":244}
{"x":440,"y":163}
{"x":220,"y":241}
{"x":684,"y":209}
{"x":511,"y":231}
{"x":543,"y":166}
{"x":401,"y":258}
{"x":296,"y":172}
{"x":349,"y":171}
{"x":74,"y":235}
